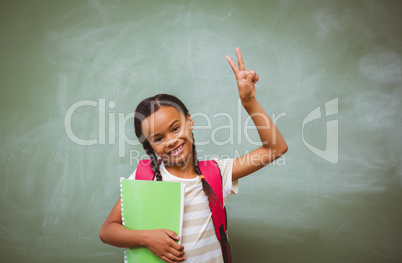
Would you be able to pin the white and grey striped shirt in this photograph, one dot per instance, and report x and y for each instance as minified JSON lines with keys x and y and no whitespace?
{"x":199,"y":238}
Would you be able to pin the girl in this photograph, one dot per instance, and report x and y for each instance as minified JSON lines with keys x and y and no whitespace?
{"x":164,"y":127}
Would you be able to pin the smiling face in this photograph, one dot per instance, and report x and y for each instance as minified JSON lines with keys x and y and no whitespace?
{"x":169,"y":133}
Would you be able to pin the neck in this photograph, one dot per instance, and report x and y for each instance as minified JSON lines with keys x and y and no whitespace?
{"x":183,"y":170}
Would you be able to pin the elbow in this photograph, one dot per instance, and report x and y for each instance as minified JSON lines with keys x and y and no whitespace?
{"x":281,"y":150}
{"x":284,"y":149}
{"x":274,"y":153}
{"x":102,"y":234}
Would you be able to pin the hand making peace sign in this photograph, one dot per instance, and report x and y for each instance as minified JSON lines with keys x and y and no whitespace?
{"x":245,"y":79}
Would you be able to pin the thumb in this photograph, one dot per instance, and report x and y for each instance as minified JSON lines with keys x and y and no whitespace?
{"x":172,"y":234}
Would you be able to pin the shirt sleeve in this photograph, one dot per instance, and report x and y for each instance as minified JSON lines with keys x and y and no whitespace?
{"x":228,"y":186}
{"x":132,"y":176}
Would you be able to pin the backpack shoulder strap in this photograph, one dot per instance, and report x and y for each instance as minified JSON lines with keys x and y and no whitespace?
{"x":211,"y":172}
{"x":144,"y":171}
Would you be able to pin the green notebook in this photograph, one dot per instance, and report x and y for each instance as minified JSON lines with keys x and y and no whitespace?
{"x":147,"y":205}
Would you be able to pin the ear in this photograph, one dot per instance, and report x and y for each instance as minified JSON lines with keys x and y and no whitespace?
{"x":189,"y":120}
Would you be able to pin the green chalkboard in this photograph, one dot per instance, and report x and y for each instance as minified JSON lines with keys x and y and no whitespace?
{"x":72,"y":73}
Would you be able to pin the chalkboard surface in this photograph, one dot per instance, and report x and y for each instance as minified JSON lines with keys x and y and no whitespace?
{"x":72,"y":73}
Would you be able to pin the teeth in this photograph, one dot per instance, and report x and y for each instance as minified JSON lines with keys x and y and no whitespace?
{"x":177,"y":150}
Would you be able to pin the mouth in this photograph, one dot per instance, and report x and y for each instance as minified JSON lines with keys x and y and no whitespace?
{"x":177,"y":150}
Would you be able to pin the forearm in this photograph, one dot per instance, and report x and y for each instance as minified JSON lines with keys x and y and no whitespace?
{"x":117,"y":235}
{"x":114,"y":233}
{"x":269,"y":134}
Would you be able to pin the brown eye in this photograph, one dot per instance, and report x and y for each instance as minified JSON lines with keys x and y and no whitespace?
{"x":157,"y":140}
{"x":176,"y":128}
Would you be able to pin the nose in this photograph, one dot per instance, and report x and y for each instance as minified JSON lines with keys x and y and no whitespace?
{"x":171,"y":140}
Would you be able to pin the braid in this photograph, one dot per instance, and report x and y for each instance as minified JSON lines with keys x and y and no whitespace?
{"x":154,"y":160}
{"x":209,"y":192}
{"x":195,"y":159}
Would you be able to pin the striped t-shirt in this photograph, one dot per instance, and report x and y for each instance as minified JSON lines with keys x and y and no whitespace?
{"x":198,"y":237}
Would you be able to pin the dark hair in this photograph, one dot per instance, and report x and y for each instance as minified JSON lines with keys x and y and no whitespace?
{"x":146,"y":108}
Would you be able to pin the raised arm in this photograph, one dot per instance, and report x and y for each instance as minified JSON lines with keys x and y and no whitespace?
{"x":273,"y":144}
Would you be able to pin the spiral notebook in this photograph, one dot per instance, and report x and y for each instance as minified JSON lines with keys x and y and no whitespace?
{"x":148,"y":205}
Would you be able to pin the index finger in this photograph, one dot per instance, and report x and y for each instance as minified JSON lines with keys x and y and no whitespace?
{"x":240,"y":60}
{"x":233,"y":65}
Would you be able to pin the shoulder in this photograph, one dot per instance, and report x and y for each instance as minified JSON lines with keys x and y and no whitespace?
{"x":225,"y":165}
{"x":143,"y":171}
{"x":132,"y":176}
{"x":228,"y":186}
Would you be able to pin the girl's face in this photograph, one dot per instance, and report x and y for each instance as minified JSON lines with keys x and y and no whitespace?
{"x":169,"y":133}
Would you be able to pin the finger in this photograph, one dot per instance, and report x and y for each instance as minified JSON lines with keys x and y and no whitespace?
{"x":166,"y":259}
{"x":173,"y":237}
{"x":250,"y":76}
{"x":176,"y":246}
{"x":176,"y":253}
{"x":240,"y":59}
{"x":174,"y":258}
{"x":256,"y":78}
{"x":233,"y":65}
{"x":171,"y":234}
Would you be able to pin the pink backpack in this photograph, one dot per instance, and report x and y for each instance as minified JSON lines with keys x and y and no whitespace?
{"x":210,"y":171}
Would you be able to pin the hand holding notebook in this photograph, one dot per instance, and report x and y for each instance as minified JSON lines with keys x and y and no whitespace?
{"x":164,"y":241}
